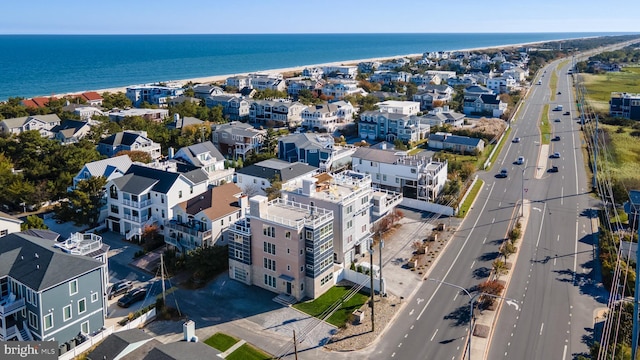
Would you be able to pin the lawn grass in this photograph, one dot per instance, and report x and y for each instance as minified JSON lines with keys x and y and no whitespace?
{"x":221,"y":341}
{"x":545,"y":126}
{"x":464,"y":208}
{"x":493,"y":158}
{"x":554,"y":85}
{"x":600,"y":86}
{"x":248,"y":352}
{"x":624,"y":151}
{"x":318,"y":306}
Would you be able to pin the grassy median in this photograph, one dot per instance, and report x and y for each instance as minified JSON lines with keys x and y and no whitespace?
{"x":545,"y":126}
{"x":464,"y":208}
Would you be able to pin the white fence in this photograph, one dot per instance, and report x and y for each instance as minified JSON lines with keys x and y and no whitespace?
{"x":464,"y":197}
{"x":427,"y":206}
{"x":360,"y":278}
{"x":93,"y":340}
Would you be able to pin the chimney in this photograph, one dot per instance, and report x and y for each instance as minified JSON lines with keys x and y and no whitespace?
{"x":189,"y":331}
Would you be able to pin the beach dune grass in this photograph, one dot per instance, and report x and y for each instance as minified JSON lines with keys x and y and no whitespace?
{"x":319,"y":305}
{"x":600,"y":86}
{"x":221,"y":341}
{"x":623,"y":155}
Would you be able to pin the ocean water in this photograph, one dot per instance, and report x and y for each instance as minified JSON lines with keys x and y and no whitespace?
{"x":41,"y":65}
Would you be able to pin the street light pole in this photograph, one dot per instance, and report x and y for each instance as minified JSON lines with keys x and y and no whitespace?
{"x":371,"y":278}
{"x":472,"y":300}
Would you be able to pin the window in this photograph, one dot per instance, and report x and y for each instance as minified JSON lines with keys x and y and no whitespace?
{"x":162,"y":213}
{"x":84,"y":327}
{"x":364,"y":200}
{"x":180,"y":194}
{"x":114,"y":209}
{"x":269,"y":248}
{"x":48,"y":321}
{"x":82,"y":305}
{"x":33,"y":320}
{"x":66,"y":313}
{"x":269,"y":280}
{"x":349,"y":224}
{"x":288,"y":267}
{"x":349,"y":209}
{"x":384,"y":177}
{"x":364,"y":228}
{"x":397,"y":180}
{"x":287,"y":235}
{"x":309,"y":235}
{"x":269,"y":231}
{"x":113,"y":192}
{"x":269,"y":264}
{"x":94,"y":297}
{"x":73,"y":287}
{"x":238,"y":254}
{"x":3,"y":233}
{"x":301,"y":268}
{"x":221,"y":222}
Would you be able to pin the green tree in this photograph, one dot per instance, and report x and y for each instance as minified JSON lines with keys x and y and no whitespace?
{"x":84,"y":202}
{"x":33,"y":222}
{"x":273,"y":191}
{"x":115,"y":100}
{"x":507,"y":249}
{"x":499,"y":267}
{"x":270,"y":142}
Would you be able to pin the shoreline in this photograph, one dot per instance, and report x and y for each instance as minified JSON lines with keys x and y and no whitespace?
{"x":221,"y":78}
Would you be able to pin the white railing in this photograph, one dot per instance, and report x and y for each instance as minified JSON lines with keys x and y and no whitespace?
{"x":137,"y":204}
{"x":93,"y":340}
{"x":8,"y":309}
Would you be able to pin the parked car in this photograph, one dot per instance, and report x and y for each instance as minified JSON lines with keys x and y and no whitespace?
{"x":120,"y":287}
{"x":555,"y":155}
{"x":516,"y":140}
{"x":132,"y":297}
{"x":553,"y":169}
{"x":557,"y":120}
{"x":556,"y":138}
{"x":520,"y":160}
{"x":566,"y":113}
{"x":503,"y":173}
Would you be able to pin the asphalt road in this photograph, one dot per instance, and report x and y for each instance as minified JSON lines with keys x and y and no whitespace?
{"x":553,"y":276}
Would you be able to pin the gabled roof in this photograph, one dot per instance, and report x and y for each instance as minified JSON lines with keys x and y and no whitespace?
{"x":91,"y":96}
{"x":38,"y":264}
{"x":490,"y":98}
{"x":181,"y":350}
{"x":379,"y":155}
{"x":36,"y":102}
{"x":18,"y":122}
{"x":73,"y":125}
{"x":308,"y":141}
{"x":216,"y":202}
{"x":7,"y":217}
{"x":42,"y":234}
{"x":117,"y":342}
{"x":106,"y":167}
{"x":163,"y":180}
{"x":133,"y":184}
{"x":268,"y":169}
{"x":122,"y":138}
{"x":191,"y":153}
{"x":238,"y":128}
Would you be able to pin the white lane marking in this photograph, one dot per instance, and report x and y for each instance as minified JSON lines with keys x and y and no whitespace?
{"x":575,"y":254}
{"x":400,"y":345}
{"x":455,"y":297}
{"x":411,"y":312}
{"x":411,"y":327}
{"x":394,"y":354}
{"x":434,"y":335}
{"x":562,"y":196}
{"x":558,"y":237}
{"x":405,"y":335}
{"x":458,"y":254}
{"x":564,"y":353}
{"x":540,"y":231}
{"x":484,"y":241}
{"x":541,"y":327}
{"x":473,"y":263}
{"x":494,"y":220}
{"x":554,"y":261}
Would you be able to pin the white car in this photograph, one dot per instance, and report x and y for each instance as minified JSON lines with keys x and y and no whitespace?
{"x":520,"y":160}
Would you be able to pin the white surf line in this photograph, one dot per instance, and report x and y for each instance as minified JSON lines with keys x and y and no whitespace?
{"x":457,"y":255}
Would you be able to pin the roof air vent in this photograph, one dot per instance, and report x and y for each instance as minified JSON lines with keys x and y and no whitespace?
{"x":37,"y":256}
{"x":37,"y":267}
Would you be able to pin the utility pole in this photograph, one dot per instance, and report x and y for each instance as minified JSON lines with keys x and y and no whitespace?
{"x":373,"y":327}
{"x":381,"y":245}
{"x":295,"y":345}
{"x":164,"y":300}
{"x":636,"y":295}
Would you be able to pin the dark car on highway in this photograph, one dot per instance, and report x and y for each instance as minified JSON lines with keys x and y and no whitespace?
{"x":132,"y":297}
{"x":118,"y":288}
{"x":503,"y":173}
{"x":553,"y":169}
{"x":556,"y":138}
{"x":567,"y":113}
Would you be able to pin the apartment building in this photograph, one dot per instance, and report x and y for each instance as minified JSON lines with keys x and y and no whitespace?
{"x":349,"y":195}
{"x":625,"y":105}
{"x":276,"y":113}
{"x":255,"y":179}
{"x":381,"y":125}
{"x":416,"y":177}
{"x":237,"y":139}
{"x":234,"y":106}
{"x":286,"y":248}
{"x":316,"y":150}
{"x":152,"y":94}
{"x":207,"y":157}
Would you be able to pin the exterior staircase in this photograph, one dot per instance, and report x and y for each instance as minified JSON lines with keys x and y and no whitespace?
{"x":285,"y":300}
{"x":24,"y":333}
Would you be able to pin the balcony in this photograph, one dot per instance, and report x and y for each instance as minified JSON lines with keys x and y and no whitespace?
{"x":81,"y":244}
{"x":9,"y":305}
{"x":131,"y":218}
{"x":193,"y":230}
{"x":137,"y":204}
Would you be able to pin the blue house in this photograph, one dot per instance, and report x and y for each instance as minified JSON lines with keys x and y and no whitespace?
{"x":52,"y":290}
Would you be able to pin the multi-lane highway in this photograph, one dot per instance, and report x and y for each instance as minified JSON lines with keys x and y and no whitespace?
{"x":552,"y":278}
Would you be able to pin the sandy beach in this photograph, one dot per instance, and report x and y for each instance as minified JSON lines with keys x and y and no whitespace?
{"x":222,"y":78}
